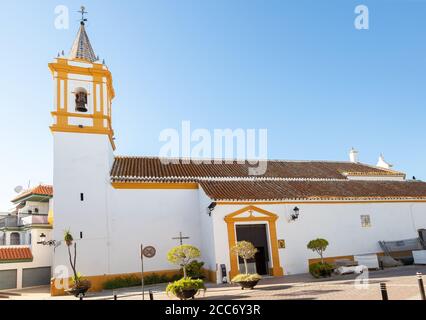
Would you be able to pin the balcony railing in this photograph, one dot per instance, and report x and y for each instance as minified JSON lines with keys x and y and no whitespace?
{"x":34,"y":219}
{"x":21,"y":242}
{"x":22,"y":220}
{"x":9,"y":222}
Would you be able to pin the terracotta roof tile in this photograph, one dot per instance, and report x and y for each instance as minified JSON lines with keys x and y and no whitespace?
{"x":10,"y":254}
{"x":44,"y":190}
{"x":314,"y":190}
{"x":282,"y":180}
{"x":126,"y":169}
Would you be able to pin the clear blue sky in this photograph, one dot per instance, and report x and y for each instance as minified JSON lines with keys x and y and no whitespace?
{"x":298,"y":68}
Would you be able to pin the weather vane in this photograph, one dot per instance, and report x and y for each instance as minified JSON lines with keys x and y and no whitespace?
{"x":83,"y":12}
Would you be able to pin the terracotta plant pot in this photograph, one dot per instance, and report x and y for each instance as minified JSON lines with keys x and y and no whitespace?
{"x":79,"y":289}
{"x":186,"y":294}
{"x":247,"y":284}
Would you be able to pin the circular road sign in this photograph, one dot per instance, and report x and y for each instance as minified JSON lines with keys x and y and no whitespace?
{"x":149,"y":251}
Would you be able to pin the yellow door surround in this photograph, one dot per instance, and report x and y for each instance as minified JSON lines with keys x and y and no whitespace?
{"x":241,"y":216}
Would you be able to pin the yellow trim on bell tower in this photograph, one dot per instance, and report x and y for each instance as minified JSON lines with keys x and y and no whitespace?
{"x":79,"y":70}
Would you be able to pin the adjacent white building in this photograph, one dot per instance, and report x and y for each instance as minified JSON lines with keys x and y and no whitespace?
{"x":23,"y":261}
{"x":112,"y":204}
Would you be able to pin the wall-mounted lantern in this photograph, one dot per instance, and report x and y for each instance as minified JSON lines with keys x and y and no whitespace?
{"x":210,"y":208}
{"x":42,"y":240}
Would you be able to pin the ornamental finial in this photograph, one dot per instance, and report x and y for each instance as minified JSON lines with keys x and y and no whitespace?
{"x":83,"y":12}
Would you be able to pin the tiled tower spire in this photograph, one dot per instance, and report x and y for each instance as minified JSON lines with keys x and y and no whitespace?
{"x":81,"y":48}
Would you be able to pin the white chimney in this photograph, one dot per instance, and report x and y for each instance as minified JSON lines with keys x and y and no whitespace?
{"x":353,"y":156}
{"x":382,"y":163}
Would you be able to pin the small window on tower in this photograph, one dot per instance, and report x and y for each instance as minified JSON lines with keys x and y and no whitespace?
{"x":365,"y":221}
{"x":81,"y":100}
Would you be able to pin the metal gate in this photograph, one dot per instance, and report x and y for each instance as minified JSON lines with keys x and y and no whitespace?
{"x":8,"y":279}
{"x":33,"y":277}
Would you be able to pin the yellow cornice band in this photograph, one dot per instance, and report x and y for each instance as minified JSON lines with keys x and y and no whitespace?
{"x":154,"y":185}
{"x":89,"y":130}
{"x":316,"y":202}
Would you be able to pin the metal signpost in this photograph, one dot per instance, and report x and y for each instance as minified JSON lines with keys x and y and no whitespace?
{"x":148,"y":252}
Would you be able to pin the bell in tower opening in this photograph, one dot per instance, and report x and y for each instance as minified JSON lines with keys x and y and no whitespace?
{"x":83,"y":90}
{"x":81,"y":100}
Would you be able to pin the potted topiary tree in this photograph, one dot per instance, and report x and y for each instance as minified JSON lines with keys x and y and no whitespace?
{"x":80,"y":286}
{"x":194,"y":270}
{"x":185,"y":288}
{"x":246,"y":251}
{"x":320,"y":269}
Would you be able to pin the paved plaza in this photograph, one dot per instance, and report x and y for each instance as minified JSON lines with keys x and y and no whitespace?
{"x":401,"y":283}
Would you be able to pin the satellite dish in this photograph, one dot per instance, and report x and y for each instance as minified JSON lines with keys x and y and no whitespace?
{"x":18,"y":189}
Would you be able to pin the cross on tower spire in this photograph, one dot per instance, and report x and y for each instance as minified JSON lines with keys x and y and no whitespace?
{"x":83,"y":12}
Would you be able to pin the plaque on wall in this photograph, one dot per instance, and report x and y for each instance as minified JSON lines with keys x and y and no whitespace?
{"x":281,"y":244}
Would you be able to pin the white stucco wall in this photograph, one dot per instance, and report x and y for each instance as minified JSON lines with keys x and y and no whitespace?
{"x":115,"y":222}
{"x":42,"y":255}
{"x":43,"y":207}
{"x":340,"y":224}
{"x":82,"y":163}
{"x":207,"y":232}
{"x":150,"y":217}
{"x":135,"y":217}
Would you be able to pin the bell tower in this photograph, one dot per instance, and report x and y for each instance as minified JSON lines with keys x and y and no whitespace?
{"x":83,"y":90}
{"x":83,"y":152}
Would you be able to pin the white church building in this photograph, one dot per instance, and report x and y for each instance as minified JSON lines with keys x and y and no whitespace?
{"x":113,"y":203}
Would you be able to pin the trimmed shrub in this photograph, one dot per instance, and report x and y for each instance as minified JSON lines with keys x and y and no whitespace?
{"x":319,"y":246}
{"x":134,"y":281}
{"x":194,"y":270}
{"x":321,"y":270}
{"x":122,"y":282}
{"x":185,"y":284}
{"x":246,"y":277}
{"x":245,"y":250}
{"x":183,"y":255}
